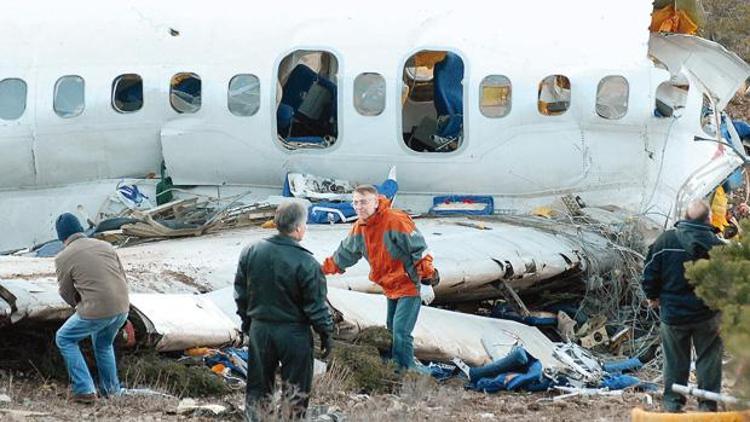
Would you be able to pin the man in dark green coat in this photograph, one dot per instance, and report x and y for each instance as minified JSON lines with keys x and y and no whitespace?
{"x":280,"y":293}
{"x":685,"y":318}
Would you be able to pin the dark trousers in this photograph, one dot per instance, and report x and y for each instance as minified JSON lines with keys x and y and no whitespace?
{"x":676,"y":347}
{"x":270,"y":344}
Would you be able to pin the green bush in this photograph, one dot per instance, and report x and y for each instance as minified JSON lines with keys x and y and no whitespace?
{"x":723,"y":282}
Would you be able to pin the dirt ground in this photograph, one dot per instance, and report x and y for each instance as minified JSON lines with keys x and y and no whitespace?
{"x":419,"y":400}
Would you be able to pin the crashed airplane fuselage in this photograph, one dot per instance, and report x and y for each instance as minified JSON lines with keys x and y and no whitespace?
{"x":237,"y":95}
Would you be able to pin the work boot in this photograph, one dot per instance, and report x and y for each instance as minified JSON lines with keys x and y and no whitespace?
{"x":84,"y":398}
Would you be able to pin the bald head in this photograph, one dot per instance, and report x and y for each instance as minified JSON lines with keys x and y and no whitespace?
{"x":698,"y":210}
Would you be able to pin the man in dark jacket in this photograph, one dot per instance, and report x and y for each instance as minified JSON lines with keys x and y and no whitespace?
{"x":280,"y":293}
{"x":684,"y":316}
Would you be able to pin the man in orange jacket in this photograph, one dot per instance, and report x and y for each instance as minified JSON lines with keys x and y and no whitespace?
{"x":399,"y":263}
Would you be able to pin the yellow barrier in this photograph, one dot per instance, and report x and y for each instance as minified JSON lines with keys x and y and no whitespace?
{"x":640,"y":415}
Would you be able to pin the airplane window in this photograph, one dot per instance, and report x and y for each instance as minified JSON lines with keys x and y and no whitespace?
{"x":708,"y":117}
{"x":612,"y":97}
{"x":306,"y":112}
{"x":69,"y":96}
{"x":12,"y":98}
{"x":185,"y":92}
{"x":369,"y":94}
{"x":432,"y":101}
{"x":554,"y":95}
{"x":495,"y":93}
{"x":243,"y":98}
{"x":127,"y":93}
{"x":671,"y":96}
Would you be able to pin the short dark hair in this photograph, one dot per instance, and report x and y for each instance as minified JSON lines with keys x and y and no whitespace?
{"x":365,"y":189}
{"x":290,"y":215}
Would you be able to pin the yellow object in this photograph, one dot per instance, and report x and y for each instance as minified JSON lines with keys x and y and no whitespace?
{"x":428,"y":58}
{"x":200,"y":351}
{"x":545,"y":212}
{"x":494,"y":96}
{"x":669,"y":19}
{"x":719,"y":205}
{"x":640,"y":415}
{"x":268,"y":225}
{"x":218,"y":368}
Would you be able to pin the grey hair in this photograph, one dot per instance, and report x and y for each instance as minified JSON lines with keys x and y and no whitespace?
{"x":289,"y":216}
{"x":698,"y":210}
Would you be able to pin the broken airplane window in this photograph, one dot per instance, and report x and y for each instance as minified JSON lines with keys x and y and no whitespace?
{"x":12,"y":98}
{"x":185,"y":92}
{"x":369,"y":94}
{"x":306,"y":115}
{"x":554,"y":95}
{"x":243,"y":97}
{"x":433,"y":101}
{"x":708,"y":117}
{"x":127,"y":93}
{"x":495,"y":96}
{"x":612,"y":97}
{"x":670,"y":97}
{"x":69,"y":96}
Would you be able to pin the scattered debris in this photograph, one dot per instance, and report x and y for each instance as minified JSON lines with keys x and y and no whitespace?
{"x":189,"y":405}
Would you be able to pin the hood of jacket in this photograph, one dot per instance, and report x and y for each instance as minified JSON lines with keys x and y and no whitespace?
{"x":696,"y":237}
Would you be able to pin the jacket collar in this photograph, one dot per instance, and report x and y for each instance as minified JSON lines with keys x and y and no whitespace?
{"x":284,"y":240}
{"x":695,"y":225}
{"x":73,"y":237}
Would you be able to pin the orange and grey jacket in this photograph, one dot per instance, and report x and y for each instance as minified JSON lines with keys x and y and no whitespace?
{"x":393,"y":246}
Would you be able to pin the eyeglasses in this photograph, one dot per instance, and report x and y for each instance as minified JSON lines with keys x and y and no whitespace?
{"x":360,"y":202}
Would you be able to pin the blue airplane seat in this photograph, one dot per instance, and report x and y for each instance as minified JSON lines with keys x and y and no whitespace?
{"x":309,"y":99}
{"x":449,"y":100}
{"x":284,"y":116}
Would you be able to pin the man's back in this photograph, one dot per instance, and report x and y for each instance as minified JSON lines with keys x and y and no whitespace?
{"x":283,"y":283}
{"x":664,"y":272}
{"x":91,"y":277}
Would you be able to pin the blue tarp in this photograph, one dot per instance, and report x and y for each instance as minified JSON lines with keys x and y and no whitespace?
{"x":329,"y":212}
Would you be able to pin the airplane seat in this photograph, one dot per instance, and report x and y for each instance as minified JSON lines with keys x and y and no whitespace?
{"x":284,"y":117}
{"x":308,"y":105}
{"x":448,"y":93}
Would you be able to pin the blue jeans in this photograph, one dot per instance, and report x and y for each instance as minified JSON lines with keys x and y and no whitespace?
{"x":102,"y":332}
{"x":402,"y":317}
{"x":513,"y":362}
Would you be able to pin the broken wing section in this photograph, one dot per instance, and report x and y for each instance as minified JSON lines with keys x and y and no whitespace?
{"x":179,"y":322}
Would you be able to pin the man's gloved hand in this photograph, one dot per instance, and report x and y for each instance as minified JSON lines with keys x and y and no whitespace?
{"x":426,"y":293}
{"x":326,"y":344}
{"x":434,"y":280}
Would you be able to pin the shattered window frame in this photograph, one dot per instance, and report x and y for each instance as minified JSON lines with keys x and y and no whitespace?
{"x":708,"y":117}
{"x":69,"y":99}
{"x":555,"y":88}
{"x":369,"y":94}
{"x":249,"y":90}
{"x":13,"y":105}
{"x":431,"y":76}
{"x":495,"y":96}
{"x":308,"y":112}
{"x":675,"y":92}
{"x":610,"y":104}
{"x":180,"y":99}
{"x":133,"y":80}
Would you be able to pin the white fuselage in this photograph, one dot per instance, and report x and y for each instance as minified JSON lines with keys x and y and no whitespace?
{"x":639,"y":162}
